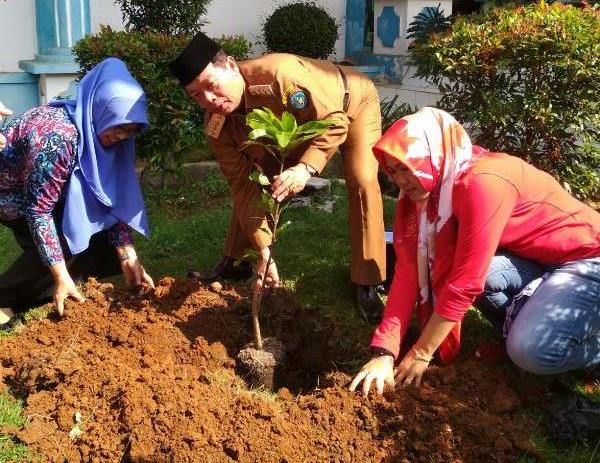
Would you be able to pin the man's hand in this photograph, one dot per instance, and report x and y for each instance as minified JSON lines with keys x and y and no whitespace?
{"x":291,"y":181}
{"x":272,"y":276}
{"x":64,"y":287}
{"x":380,"y":369}
{"x":133,"y":271}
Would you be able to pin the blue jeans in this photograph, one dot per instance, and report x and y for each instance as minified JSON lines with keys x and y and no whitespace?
{"x":557,"y":329}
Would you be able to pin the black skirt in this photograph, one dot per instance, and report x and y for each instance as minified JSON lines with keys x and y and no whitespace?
{"x":28,"y":282}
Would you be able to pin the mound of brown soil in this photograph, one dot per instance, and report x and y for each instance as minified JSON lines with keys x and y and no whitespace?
{"x":153,"y":380}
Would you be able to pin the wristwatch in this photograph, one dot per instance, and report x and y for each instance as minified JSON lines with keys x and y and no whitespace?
{"x":311,"y":170}
{"x":380,"y":352}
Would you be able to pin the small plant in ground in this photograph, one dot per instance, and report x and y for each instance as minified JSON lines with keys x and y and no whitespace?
{"x":279,"y":137}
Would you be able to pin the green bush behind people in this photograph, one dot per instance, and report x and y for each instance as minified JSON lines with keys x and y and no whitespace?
{"x":525,"y":80}
{"x":176,"y":123}
{"x":301,"y":28}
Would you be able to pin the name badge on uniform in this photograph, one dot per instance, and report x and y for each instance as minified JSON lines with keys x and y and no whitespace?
{"x":261,"y":90}
{"x":215,"y":125}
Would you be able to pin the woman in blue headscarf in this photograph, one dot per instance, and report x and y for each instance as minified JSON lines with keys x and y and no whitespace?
{"x":69,"y":192}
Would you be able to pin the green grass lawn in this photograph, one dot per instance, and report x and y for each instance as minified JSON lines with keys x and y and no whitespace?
{"x":188,"y":227}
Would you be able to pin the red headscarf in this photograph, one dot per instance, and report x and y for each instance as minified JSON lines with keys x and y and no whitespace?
{"x":437,"y":150}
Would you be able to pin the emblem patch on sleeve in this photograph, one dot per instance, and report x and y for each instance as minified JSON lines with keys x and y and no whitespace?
{"x":298,"y":100}
{"x":215,"y":125}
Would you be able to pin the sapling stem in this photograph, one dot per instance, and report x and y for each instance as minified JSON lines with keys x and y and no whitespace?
{"x":257,"y":296}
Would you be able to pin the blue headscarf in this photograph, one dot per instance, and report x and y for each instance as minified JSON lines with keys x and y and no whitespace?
{"x":103,"y":188}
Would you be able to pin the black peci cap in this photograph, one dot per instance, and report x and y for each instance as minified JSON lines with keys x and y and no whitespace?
{"x":194,"y":58}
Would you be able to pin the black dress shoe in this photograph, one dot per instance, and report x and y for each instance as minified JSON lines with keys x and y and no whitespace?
{"x":224,"y":270}
{"x":368,"y":302}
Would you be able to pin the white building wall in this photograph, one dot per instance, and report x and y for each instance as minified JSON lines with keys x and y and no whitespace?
{"x":17,"y":31}
{"x":105,"y":12}
{"x":230,"y":17}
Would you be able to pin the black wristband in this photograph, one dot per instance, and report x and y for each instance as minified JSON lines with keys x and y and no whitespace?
{"x":380,"y":352}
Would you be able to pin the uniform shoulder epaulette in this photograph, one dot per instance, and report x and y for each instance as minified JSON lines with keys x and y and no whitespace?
{"x":214,"y":125}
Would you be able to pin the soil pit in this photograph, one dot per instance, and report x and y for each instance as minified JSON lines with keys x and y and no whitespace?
{"x":153,"y":380}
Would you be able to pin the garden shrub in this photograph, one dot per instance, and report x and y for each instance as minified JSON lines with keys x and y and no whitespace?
{"x":235,"y":45}
{"x":176,"y":122}
{"x":301,"y":28}
{"x":174,"y":17}
{"x":525,"y":80}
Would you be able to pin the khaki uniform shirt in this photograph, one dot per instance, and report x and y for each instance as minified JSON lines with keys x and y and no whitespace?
{"x":309,"y":89}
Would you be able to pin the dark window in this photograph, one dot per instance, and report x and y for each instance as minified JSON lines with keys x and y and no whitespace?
{"x":369,"y":24}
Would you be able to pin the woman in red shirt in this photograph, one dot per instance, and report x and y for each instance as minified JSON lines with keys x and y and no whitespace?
{"x":474,"y":224}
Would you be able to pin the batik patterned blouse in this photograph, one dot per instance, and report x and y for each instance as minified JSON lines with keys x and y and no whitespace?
{"x":35,"y":165}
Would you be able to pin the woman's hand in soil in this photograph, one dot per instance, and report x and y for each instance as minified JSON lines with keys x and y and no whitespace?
{"x":64,"y":287}
{"x":272,"y":276}
{"x":412,"y":367}
{"x":380,"y":369}
{"x":134,"y":273}
{"x":291,"y":182}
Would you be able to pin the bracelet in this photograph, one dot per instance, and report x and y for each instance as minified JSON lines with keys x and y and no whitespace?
{"x":420,"y":358}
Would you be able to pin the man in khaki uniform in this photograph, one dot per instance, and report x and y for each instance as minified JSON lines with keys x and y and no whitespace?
{"x":309,"y":89}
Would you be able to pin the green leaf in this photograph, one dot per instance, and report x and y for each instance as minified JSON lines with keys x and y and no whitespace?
{"x":257,"y":133}
{"x":268,"y":204}
{"x":288,"y":122}
{"x":283,"y":227}
{"x":260,"y":178}
{"x":251,"y":254}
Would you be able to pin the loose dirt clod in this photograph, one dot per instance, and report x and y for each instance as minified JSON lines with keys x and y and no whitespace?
{"x":165,"y":389}
{"x":260,"y":367}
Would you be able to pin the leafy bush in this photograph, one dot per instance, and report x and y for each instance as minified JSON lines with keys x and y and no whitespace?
{"x":525,"y":80}
{"x":301,"y":28}
{"x":176,"y":122}
{"x":174,"y":17}
{"x":235,"y":45}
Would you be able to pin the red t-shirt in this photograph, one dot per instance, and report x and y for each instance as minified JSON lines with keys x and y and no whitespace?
{"x":501,"y":202}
